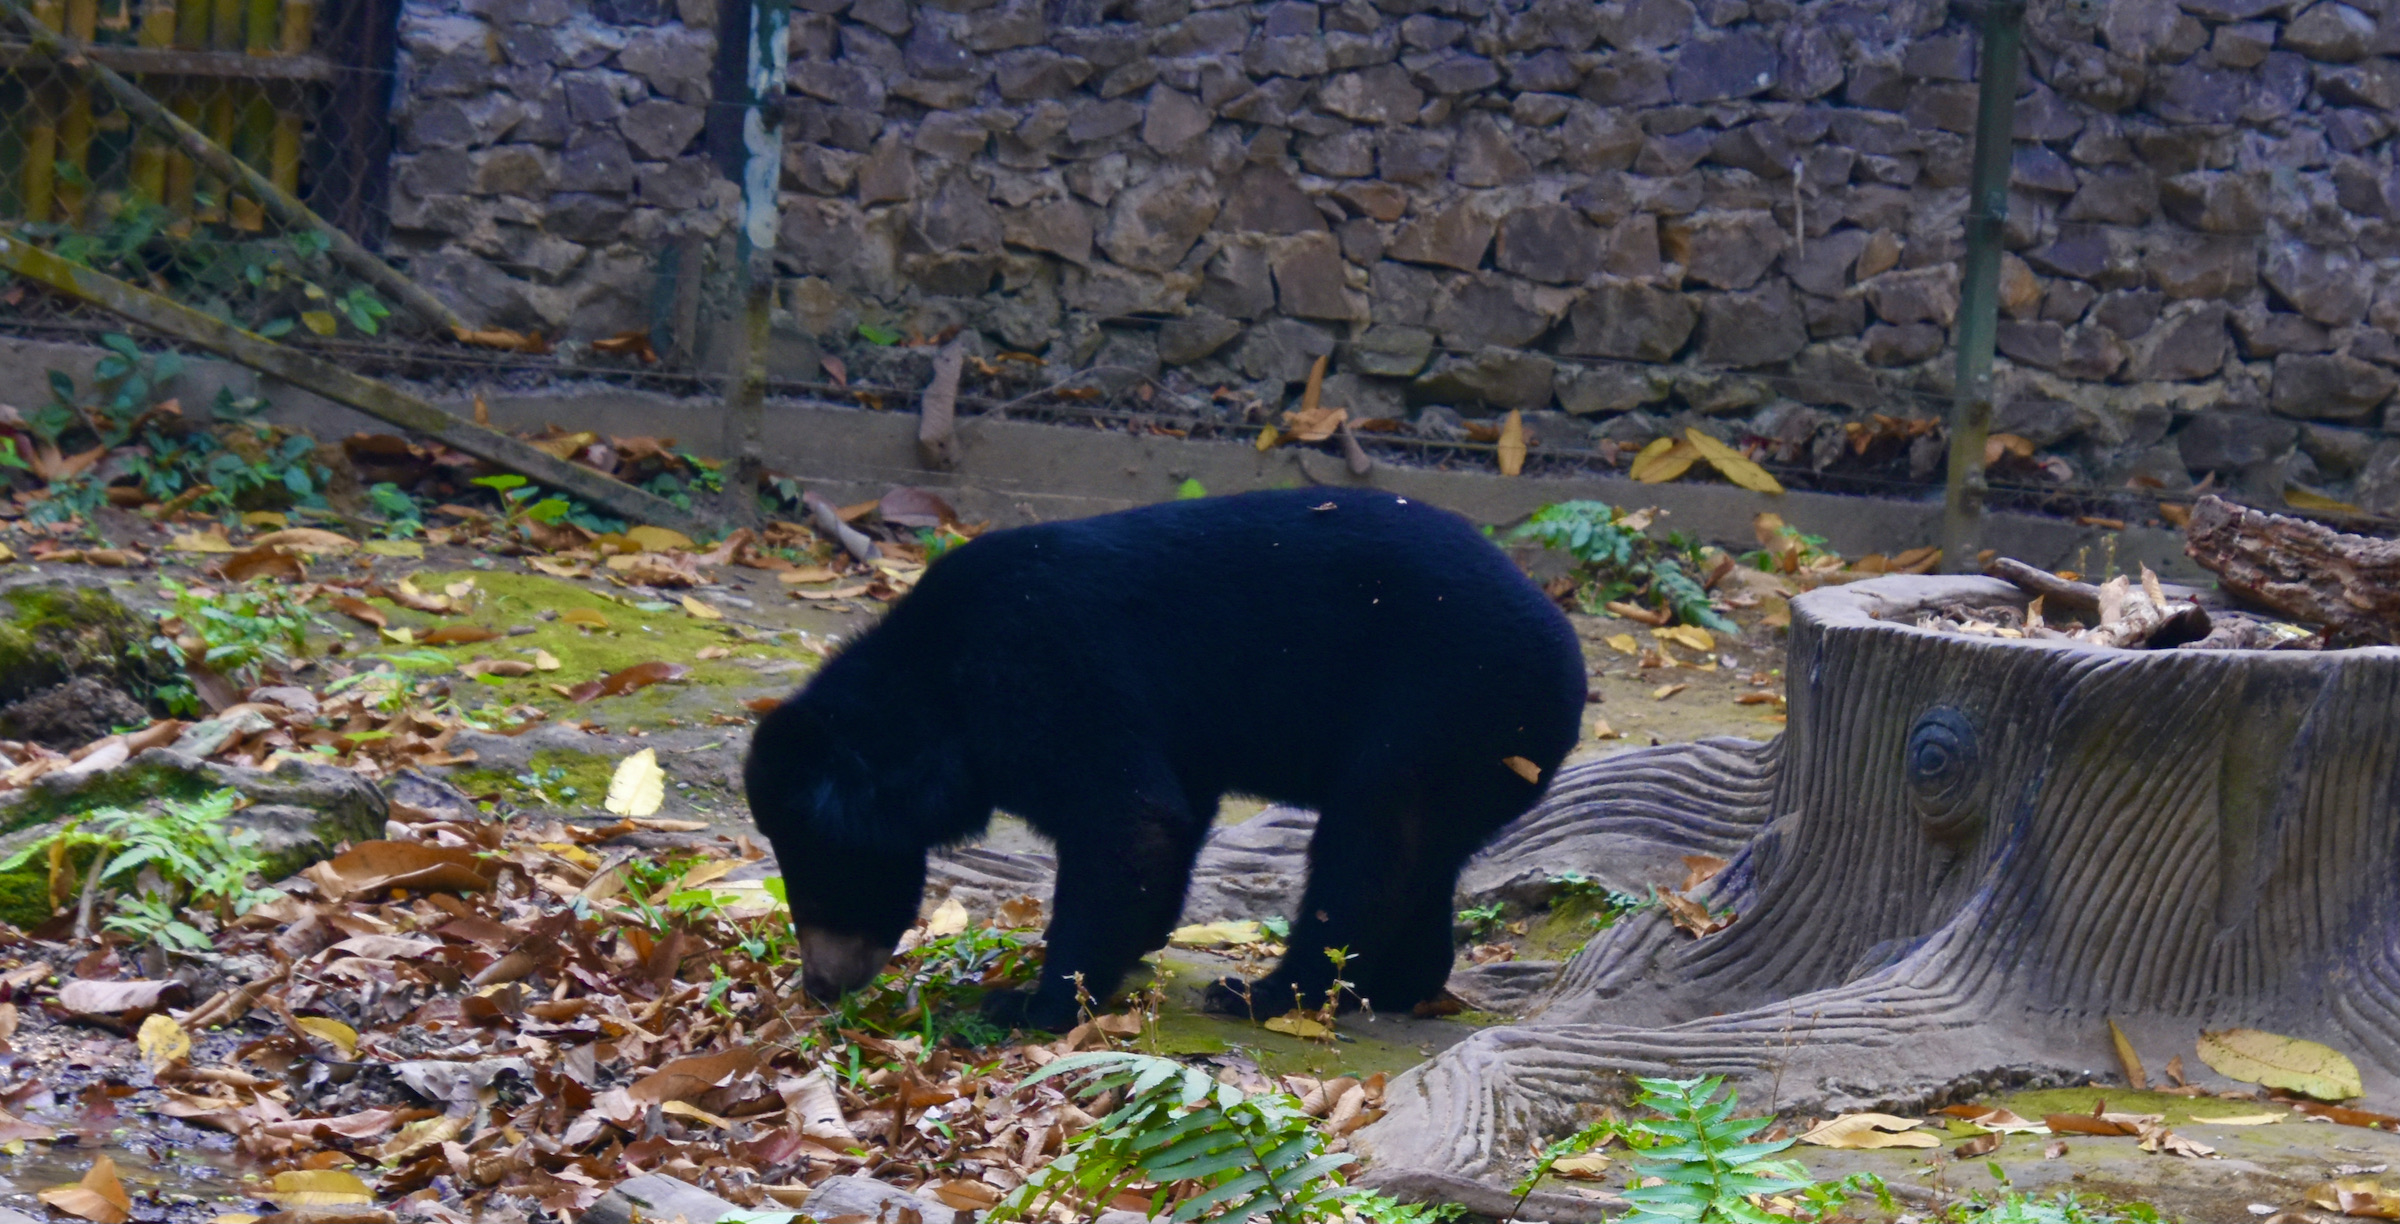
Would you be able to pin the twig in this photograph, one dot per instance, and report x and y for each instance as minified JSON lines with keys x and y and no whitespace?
{"x":937,"y":409}
{"x":90,"y":898}
{"x":828,"y":519}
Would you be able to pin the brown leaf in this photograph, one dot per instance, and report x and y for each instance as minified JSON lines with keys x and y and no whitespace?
{"x":14,"y":1129}
{"x":360,"y":610}
{"x":99,"y":1197}
{"x":1636,"y":612}
{"x":370,"y":867}
{"x":496,"y":667}
{"x":2087,"y":1124}
{"x":505,"y":340}
{"x":1512,"y":444}
{"x":628,"y":344}
{"x":1980,"y":1145}
{"x":761,"y":705}
{"x":906,"y":507}
{"x":2135,"y":1076}
{"x":634,"y":678}
{"x":686,"y":1078}
{"x":836,"y":370}
{"x":1699,"y":869}
{"x":264,"y":561}
{"x":310,"y":540}
{"x":117,"y":1003}
{"x":1691,"y":915}
{"x":456,"y":635}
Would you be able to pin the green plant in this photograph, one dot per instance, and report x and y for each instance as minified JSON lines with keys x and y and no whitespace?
{"x":186,"y":858}
{"x":401,"y":514}
{"x":1380,"y":1209}
{"x":1696,"y":1163}
{"x":880,"y":337}
{"x":1191,"y":489}
{"x":267,"y":284}
{"x":1480,"y":920}
{"x":1791,"y":549}
{"x":1616,"y":558}
{"x":1211,"y":1151}
{"x":235,"y":633}
{"x":1609,"y":904}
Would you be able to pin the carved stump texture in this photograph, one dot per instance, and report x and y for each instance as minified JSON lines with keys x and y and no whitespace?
{"x":1967,"y":852}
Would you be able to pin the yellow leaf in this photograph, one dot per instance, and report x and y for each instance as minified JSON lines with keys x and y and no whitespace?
{"x":201,"y":542}
{"x":403,"y":635}
{"x":1512,"y":443}
{"x":1664,"y":691}
{"x":162,"y":1041}
{"x":948,"y":918}
{"x":265,"y":518}
{"x":2135,"y":1076}
{"x":1218,"y":934}
{"x":1586,"y":1167}
{"x":318,"y":1188}
{"x":685,"y":1109}
{"x":419,"y":1135}
{"x":1523,"y":768}
{"x":412,"y":549}
{"x":1309,"y":395}
{"x":1690,"y":637}
{"x":1730,"y":462}
{"x":543,"y":660}
{"x":639,"y":785}
{"x":1663,"y":460}
{"x":658,"y":539}
{"x":1602,"y":731}
{"x":2302,"y":499}
{"x":2257,"y":1119}
{"x":340,"y":1035}
{"x":701,"y":610}
{"x":1267,"y":438}
{"x":584,"y":616}
{"x":2305,"y":1067}
{"x":99,"y":1197}
{"x":235,"y":1217}
{"x":1870,"y":1130}
{"x":1623,"y":643}
{"x":318,"y":321}
{"x":1298,"y":1025}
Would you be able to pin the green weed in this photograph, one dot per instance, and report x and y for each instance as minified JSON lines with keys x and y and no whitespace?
{"x":1617,"y":559}
{"x":184,"y":859}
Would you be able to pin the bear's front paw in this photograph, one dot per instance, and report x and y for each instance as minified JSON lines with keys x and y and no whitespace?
{"x":1025,"y":1009}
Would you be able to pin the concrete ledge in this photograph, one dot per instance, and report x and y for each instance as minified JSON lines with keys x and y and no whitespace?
{"x":1020,"y":471}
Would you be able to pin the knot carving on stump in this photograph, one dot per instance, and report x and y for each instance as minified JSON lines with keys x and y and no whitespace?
{"x":1963,"y":854}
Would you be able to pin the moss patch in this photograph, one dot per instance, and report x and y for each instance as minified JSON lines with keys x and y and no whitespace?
{"x":49,"y":634}
{"x":1566,"y":927}
{"x":2179,"y":1110}
{"x":1184,"y":1029}
{"x":557,"y":777}
{"x":633,"y":637}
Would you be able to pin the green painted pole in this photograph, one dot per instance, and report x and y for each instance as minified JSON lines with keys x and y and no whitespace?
{"x":1978,"y":319}
{"x":754,"y":255}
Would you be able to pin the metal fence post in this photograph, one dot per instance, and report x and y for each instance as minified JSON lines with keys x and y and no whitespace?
{"x":1979,"y":285}
{"x":754,"y":254}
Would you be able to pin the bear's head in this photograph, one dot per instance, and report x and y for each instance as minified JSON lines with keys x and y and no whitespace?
{"x":851,"y":808}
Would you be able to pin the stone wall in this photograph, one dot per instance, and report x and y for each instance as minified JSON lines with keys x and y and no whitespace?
{"x":1615,"y":217}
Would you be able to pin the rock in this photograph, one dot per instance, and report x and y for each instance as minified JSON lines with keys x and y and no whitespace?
{"x":877,"y":1202}
{"x":1309,"y":278}
{"x":1599,"y":140}
{"x":1154,"y":222}
{"x":1390,"y":351}
{"x":2216,"y":202}
{"x":1239,"y":282}
{"x":1061,"y":227}
{"x":1591,"y":390}
{"x":1381,"y":201}
{"x":657,"y":1196}
{"x":2263,"y":333}
{"x":2041,"y":344}
{"x":1488,"y":309}
{"x":1172,"y":119}
{"x":1822,"y":267}
{"x":1454,"y":237}
{"x":1834,"y":375}
{"x":2224,"y":441}
{"x":2192,"y":266}
{"x":1265,"y":200}
{"x":1484,"y":157}
{"x":1412,"y":155}
{"x":1551,"y":243}
{"x":1630,"y":320}
{"x":594,"y":160}
{"x":2332,"y":32}
{"x":2114,"y":195}
{"x":1349,"y":153}
{"x":1742,"y":330}
{"x":2330,"y":387}
{"x":57,"y":630}
{"x":659,"y":129}
{"x":1032,"y":74}
{"x":674,"y":61}
{"x":1724,"y":250}
{"x":2188,"y":343}
{"x":1916,"y":295}
{"x":1457,"y":73}
{"x":2094,"y":354}
{"x":1382,"y":94}
{"x":1737,"y":65}
{"x":1495,"y":379}
{"x":71,"y":715}
{"x":1645,"y":25}
{"x":1282,"y":349}
{"x":2327,"y":286}
{"x":2374,"y":85}
{"x":1906,"y":344}
{"x":1197,"y":335}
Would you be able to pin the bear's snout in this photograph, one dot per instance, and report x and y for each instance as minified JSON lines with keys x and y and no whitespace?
{"x":834,"y":964}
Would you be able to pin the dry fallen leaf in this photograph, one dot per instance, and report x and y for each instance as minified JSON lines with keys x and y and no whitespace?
{"x":162,"y":1041}
{"x":1870,"y":1130}
{"x":948,"y":918}
{"x":1523,"y":768}
{"x":2363,"y":1197}
{"x":1623,"y":643}
{"x":1664,"y":691}
{"x":373,"y":866}
{"x":341,"y":1036}
{"x":543,"y":660}
{"x":99,"y":1197}
{"x":2305,"y":1067}
{"x":639,"y":786}
{"x":658,"y":539}
{"x":585,"y":617}
{"x":1512,"y":444}
{"x":1663,"y":460}
{"x":2131,"y":1061}
{"x":1298,"y":1025}
{"x":1218,"y":934}
{"x":700,"y":609}
{"x":1732,"y":464}
{"x":1978,"y":1145}
{"x":1589,"y":1166}
{"x":317,"y":1188}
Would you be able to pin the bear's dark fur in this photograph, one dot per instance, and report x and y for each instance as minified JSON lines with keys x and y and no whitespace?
{"x":1109,"y":679}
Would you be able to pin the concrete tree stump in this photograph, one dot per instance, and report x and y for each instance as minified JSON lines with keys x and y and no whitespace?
{"x":1968,"y":853}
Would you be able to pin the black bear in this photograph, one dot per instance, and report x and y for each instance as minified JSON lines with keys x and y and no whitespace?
{"x":1109,"y":679}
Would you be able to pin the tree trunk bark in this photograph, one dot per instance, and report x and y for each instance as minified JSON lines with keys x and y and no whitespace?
{"x":2349,"y":584}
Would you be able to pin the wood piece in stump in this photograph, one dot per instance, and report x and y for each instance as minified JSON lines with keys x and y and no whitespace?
{"x":2307,"y":571}
{"x":2150,"y":619}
